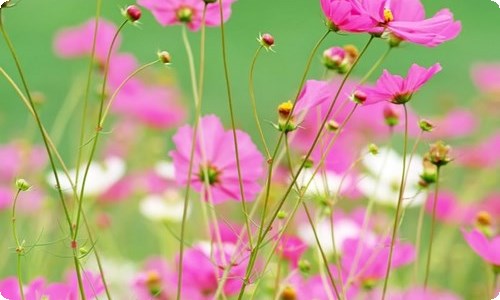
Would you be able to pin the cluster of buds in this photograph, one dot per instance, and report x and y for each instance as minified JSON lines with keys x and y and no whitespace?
{"x":340,"y":59}
{"x":286,"y":121}
{"x":439,"y":154}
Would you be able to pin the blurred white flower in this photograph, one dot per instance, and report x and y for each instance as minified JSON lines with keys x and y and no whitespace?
{"x":119,"y":274}
{"x":165,"y":169}
{"x":382,"y":182}
{"x":100,"y":178}
{"x":322,"y":184}
{"x":165,"y":207}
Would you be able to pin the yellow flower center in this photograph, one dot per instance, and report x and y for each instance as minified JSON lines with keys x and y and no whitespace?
{"x":388,"y":16}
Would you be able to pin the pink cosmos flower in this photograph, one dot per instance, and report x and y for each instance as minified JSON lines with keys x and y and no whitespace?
{"x":216,"y":159}
{"x":291,"y":248}
{"x":486,"y":76}
{"x":457,"y":123}
{"x":345,"y":16}
{"x":77,"y":41}
{"x":448,"y":208}
{"x":405,"y":20}
{"x":156,"y":281}
{"x":482,"y":155}
{"x":484,"y":247}
{"x":399,"y":90}
{"x":171,"y":12}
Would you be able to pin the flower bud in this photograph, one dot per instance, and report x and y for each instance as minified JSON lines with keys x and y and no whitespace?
{"x":281,"y":215}
{"x":184,"y":14}
{"x":429,"y":173}
{"x":373,"y":149}
{"x":266,"y":40}
{"x":288,"y":293}
{"x":285,"y":119}
{"x":164,"y":57}
{"x":352,"y":53}
{"x":332,"y":125}
{"x":309,"y":163}
{"x":391,"y":116}
{"x":333,"y":57}
{"x":304,"y":266}
{"x":133,"y":13}
{"x":439,"y":154}
{"x":483,"y":218}
{"x":22,"y":185}
{"x":359,"y":97}
{"x":426,"y":125}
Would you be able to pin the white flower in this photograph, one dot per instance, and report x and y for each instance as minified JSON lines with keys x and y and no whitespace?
{"x":343,"y":229}
{"x":166,"y":207}
{"x":99,"y":179}
{"x":2,"y":298}
{"x":119,"y":274}
{"x":382,"y":183}
{"x":165,"y":169}
{"x":322,"y":183}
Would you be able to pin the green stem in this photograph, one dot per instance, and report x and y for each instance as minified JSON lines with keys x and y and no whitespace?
{"x":19,"y":247}
{"x":433,"y":227}
{"x":254,"y":102}
{"x":87,"y":92}
{"x":376,"y":65}
{"x":233,"y":124}
{"x":398,"y":207}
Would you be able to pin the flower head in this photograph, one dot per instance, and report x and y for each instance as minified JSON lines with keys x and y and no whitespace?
{"x":399,"y":90}
{"x":215,"y":162}
{"x":189,"y":12}
{"x":344,"y":15}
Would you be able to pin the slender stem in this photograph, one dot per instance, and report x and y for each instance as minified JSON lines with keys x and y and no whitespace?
{"x":46,"y":144}
{"x":433,"y":227}
{"x":263,"y":233}
{"x":398,"y":207}
{"x":98,"y":129}
{"x":87,"y":91}
{"x":233,"y":124}
{"x":320,"y":248}
{"x":376,"y":65}
{"x":254,"y":102}
{"x":19,"y":247}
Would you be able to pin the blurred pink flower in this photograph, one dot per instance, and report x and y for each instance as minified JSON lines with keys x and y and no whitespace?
{"x":416,"y":293}
{"x":405,"y":19}
{"x":216,"y":159}
{"x":482,"y":155}
{"x":156,"y":281}
{"x":484,"y":247}
{"x":399,"y":90}
{"x":187,"y":11}
{"x":77,"y":41}
{"x":448,"y":208}
{"x":486,"y":76}
{"x":6,"y":197}
{"x":457,"y":123}
{"x":344,"y":15}
{"x":291,"y":249}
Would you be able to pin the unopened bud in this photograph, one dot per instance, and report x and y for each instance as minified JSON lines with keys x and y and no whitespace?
{"x":391,"y":116}
{"x":425,"y":125}
{"x":439,"y":154}
{"x":352,"y":52}
{"x":359,"y":97}
{"x":266,"y":40}
{"x":288,"y":293}
{"x":285,"y":119}
{"x":22,"y":185}
{"x":304,"y":266}
{"x":281,"y":215}
{"x":133,"y":13}
{"x":164,"y":57}
{"x":373,"y":149}
{"x":483,"y":218}
{"x":184,"y":14}
{"x":430,"y":172}
{"x":332,"y":125}
{"x":333,"y":57}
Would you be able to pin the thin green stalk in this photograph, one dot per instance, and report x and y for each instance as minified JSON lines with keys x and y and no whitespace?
{"x":320,"y":248}
{"x":87,"y":92}
{"x":98,"y":129}
{"x":233,"y":123}
{"x":376,"y":65}
{"x":398,"y":207}
{"x":433,"y":227}
{"x":19,"y":247}
{"x":294,"y":179}
{"x":47,"y":147}
{"x":254,"y":102}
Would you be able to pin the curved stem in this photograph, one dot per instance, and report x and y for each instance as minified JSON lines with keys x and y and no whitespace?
{"x":398,"y":207}
{"x":433,"y":227}
{"x":233,"y":125}
{"x":254,"y":102}
{"x":19,"y":247}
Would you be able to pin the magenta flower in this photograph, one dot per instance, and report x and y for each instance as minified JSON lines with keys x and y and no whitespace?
{"x":448,"y":209}
{"x":291,"y":249}
{"x":216,"y":159}
{"x":481,"y":155}
{"x":399,"y":90}
{"x":155,"y":281}
{"x":416,"y":293}
{"x":345,"y":16}
{"x":77,"y":41}
{"x":486,"y":76}
{"x":171,"y":12}
{"x":457,"y":123}
{"x":484,"y":247}
{"x":405,"y":21}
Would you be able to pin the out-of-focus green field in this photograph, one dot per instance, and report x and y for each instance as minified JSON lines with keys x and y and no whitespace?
{"x":296,"y":26}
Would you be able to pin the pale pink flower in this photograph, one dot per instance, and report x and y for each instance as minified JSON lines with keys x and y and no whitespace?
{"x":405,"y":20}
{"x":483,"y":246}
{"x":215,"y":157}
{"x":486,"y":76}
{"x":77,"y":41}
{"x":481,"y":155}
{"x":171,"y":12}
{"x":457,"y":123}
{"x":399,"y":90}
